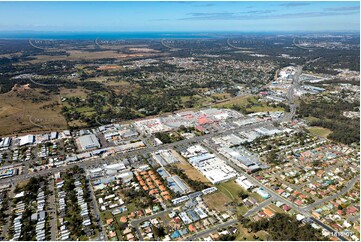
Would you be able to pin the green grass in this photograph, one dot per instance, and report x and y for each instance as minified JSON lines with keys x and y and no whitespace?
{"x":244,"y":235}
{"x":84,"y":109}
{"x":276,"y":209}
{"x":256,"y":196}
{"x":239,"y":101}
{"x":243,"y":101}
{"x":264,"y":108}
{"x":230,"y":189}
{"x":319,"y":131}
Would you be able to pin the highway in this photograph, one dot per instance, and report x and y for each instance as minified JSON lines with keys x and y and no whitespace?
{"x":290,"y":94}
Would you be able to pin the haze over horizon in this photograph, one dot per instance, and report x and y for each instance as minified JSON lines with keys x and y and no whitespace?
{"x":180,"y":16}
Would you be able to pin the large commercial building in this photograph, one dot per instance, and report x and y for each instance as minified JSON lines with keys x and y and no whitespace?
{"x":213,"y":168}
{"x":89,"y":141}
{"x":27,"y":139}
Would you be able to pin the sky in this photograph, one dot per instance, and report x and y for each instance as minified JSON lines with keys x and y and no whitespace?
{"x":180,"y":16}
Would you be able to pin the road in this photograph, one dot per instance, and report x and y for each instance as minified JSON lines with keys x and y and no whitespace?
{"x":52,"y":210}
{"x":316,"y":178}
{"x":328,"y":228}
{"x":305,"y":210}
{"x":290,"y":94}
{"x":43,"y":84}
{"x":211,"y":230}
{"x":254,"y":210}
{"x":329,"y":198}
{"x":8,"y":212}
{"x":296,"y":187}
{"x":135,"y":223}
{"x":102,"y":232}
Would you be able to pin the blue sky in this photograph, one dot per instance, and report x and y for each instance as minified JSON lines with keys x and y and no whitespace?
{"x":180,"y":16}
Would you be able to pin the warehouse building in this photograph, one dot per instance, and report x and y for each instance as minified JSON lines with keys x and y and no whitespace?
{"x":86,"y":142}
{"x":27,"y":139}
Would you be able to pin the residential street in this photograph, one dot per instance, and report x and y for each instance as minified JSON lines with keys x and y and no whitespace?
{"x":52,"y":210}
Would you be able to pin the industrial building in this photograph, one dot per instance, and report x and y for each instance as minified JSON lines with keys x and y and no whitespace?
{"x":5,"y":142}
{"x":89,"y":141}
{"x":215,"y":169}
{"x":27,"y":140}
{"x":244,"y":183}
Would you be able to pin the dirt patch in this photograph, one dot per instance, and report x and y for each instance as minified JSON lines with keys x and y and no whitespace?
{"x":191,"y":172}
{"x":22,"y":115}
{"x":90,"y":55}
{"x":217,"y":201}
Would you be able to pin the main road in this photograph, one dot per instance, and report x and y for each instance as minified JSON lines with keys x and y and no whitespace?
{"x":291,"y":93}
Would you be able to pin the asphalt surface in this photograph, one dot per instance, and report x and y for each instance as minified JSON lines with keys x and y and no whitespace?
{"x":290,"y":94}
{"x":52,"y":212}
{"x":254,"y":210}
{"x":136,"y":222}
{"x":302,"y":210}
{"x":102,"y":232}
{"x":211,"y":230}
{"x":328,"y":228}
{"x":329,"y":198}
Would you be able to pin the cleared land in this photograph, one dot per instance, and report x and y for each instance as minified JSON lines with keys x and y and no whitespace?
{"x":90,"y":55}
{"x":217,"y":201}
{"x":191,"y":172}
{"x":319,"y":131}
{"x":243,"y":234}
{"x":20,"y":115}
{"x":232,"y":189}
{"x":250,"y":103}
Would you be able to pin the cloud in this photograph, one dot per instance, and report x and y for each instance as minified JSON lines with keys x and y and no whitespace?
{"x":294,"y":4}
{"x":206,"y":5}
{"x":261,"y":14}
{"x":344,"y":8}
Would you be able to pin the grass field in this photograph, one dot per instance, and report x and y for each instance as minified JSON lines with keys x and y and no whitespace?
{"x":26,"y":116}
{"x":191,"y":172}
{"x":243,"y":101}
{"x":319,"y":131}
{"x":244,"y":235}
{"x":231,"y":189}
{"x":90,"y":55}
{"x":76,"y":92}
{"x":239,"y":101}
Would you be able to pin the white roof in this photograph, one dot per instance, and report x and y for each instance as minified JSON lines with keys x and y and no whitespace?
{"x":27,"y":139}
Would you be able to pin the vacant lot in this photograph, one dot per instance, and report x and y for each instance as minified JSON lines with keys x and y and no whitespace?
{"x":239,"y":101}
{"x":191,"y":172}
{"x":230,"y":188}
{"x":217,"y":201}
{"x":319,"y":131}
{"x":250,"y":103}
{"x":20,"y":115}
{"x":243,"y":234}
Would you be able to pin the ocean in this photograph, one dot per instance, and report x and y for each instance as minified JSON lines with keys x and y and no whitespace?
{"x":117,"y":35}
